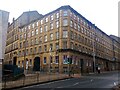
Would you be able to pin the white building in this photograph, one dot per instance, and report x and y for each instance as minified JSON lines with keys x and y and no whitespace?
{"x":3,"y":32}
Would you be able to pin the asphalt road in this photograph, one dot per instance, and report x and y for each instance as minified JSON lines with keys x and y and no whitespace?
{"x":103,"y":80}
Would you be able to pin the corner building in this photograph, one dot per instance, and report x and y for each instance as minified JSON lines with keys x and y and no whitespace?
{"x":47,"y":43}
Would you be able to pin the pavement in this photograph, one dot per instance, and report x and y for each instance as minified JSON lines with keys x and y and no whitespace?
{"x":105,"y":80}
{"x":32,"y":79}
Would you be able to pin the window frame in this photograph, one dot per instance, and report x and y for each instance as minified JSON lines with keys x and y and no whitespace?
{"x":65,"y":34}
{"x":65,"y":22}
{"x":65,"y":59}
{"x":65,"y":13}
{"x":45,"y":60}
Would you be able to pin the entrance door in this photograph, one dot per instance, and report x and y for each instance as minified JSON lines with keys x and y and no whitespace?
{"x":14,"y":60}
{"x":107,"y":66}
{"x":81,"y":65}
{"x":36,"y":66}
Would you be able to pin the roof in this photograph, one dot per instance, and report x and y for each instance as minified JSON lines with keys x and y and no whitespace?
{"x":72,"y":10}
{"x":117,"y":39}
{"x":4,"y":11}
{"x":27,"y":12}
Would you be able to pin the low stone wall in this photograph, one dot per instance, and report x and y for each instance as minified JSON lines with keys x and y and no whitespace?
{"x":31,"y":79}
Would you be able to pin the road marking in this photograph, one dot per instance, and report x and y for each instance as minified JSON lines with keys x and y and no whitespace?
{"x":85,"y":82}
{"x":75,"y":83}
{"x":68,"y":85}
{"x":62,"y":80}
{"x":114,"y":83}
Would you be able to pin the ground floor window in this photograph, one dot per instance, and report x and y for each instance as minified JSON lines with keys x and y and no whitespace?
{"x":56,"y":59}
{"x":30,"y":62}
{"x":56,"y":69}
{"x":90,"y":64}
{"x":65,"y":69}
{"x":65,"y":60}
{"x":45,"y":59}
{"x":18,"y":63}
{"x":51,"y":59}
{"x":87,"y":63}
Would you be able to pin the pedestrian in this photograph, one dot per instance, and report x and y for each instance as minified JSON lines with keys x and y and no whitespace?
{"x":99,"y":70}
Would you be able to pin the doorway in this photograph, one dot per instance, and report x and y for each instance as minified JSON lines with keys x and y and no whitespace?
{"x":14,"y":60}
{"x":36,"y":66}
{"x":107,"y":66}
{"x":81,"y":65}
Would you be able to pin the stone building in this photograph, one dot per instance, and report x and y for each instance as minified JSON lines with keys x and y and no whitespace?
{"x":47,"y":44}
{"x":13,"y":34}
{"x":116,"y":51}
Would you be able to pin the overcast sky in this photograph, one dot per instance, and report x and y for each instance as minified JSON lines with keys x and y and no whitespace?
{"x":102,"y":13}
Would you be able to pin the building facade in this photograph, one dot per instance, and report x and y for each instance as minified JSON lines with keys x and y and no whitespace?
{"x":61,"y":35}
{"x":13,"y":37}
{"x":116,"y":50}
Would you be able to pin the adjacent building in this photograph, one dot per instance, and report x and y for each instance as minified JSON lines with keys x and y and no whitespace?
{"x":116,"y":51}
{"x":60,"y":41}
{"x":13,"y":34}
{"x":4,"y":16}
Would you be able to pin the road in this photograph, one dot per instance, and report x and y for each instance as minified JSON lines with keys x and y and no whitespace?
{"x":103,"y":80}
